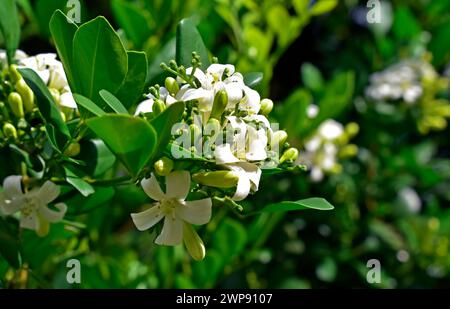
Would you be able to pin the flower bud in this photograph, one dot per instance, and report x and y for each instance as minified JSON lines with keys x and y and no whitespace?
{"x":195,"y":133}
{"x":158,"y":107}
{"x":348,"y":151}
{"x":193,"y":242}
{"x":16,"y":104}
{"x":212,"y":129}
{"x":352,"y":129}
{"x":290,"y":155}
{"x":14,"y":74}
{"x":72,"y":150}
{"x":172,"y":86}
{"x":219,"y":105}
{"x":26,"y":93}
{"x":278,"y":139}
{"x":9,"y":130}
{"x":217,"y":179}
{"x":266,"y":106}
{"x":163,"y":166}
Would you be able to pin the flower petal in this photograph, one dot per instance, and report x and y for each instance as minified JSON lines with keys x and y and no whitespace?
{"x":52,"y":215}
{"x":251,"y":101}
{"x":195,"y":212}
{"x":223,"y":154}
{"x":12,"y":186}
{"x":252,"y":171}
{"x":145,"y":106}
{"x":66,"y":100}
{"x":257,"y":141}
{"x":152,"y":189}
{"x":10,"y":206}
{"x":148,"y":218}
{"x":178,"y":184}
{"x":48,"y":192}
{"x":243,"y":187}
{"x":172,"y":232}
{"x":29,"y":222}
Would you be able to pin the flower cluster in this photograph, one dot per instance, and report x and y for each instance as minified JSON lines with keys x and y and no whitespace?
{"x":415,"y":82}
{"x":226,"y":123}
{"x":328,"y":144}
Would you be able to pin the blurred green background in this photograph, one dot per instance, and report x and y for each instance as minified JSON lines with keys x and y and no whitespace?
{"x":391,"y":199}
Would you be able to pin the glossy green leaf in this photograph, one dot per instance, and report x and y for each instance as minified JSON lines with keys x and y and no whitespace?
{"x":57,"y":129}
{"x":131,"y":139}
{"x":133,"y":20}
{"x":10,"y":27}
{"x":88,"y":104}
{"x":113,"y":102}
{"x":82,"y":186}
{"x":63,"y":31}
{"x":309,"y":203}
{"x":163,"y":124}
{"x":133,"y":86}
{"x":100,"y":58}
{"x":253,"y":79}
{"x":96,"y":156}
{"x":188,"y":41}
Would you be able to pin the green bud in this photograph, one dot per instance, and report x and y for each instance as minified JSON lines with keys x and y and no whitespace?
{"x":193,"y":242}
{"x":163,"y":166}
{"x":16,"y":104}
{"x":14,"y":74}
{"x":212,"y":129}
{"x":352,"y":129}
{"x":4,"y":111}
{"x":290,"y":155}
{"x":219,"y":105}
{"x":195,"y":132}
{"x":72,"y":150}
{"x":172,"y":85}
{"x":348,"y":151}
{"x":26,"y":93}
{"x":266,"y":106}
{"x":9,"y":130}
{"x":217,"y":179}
{"x":278,"y":139}
{"x":158,"y":106}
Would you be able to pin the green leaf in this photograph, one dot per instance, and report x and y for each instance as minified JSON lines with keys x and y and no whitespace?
{"x":57,"y":130}
{"x":323,"y":7}
{"x":10,"y":27}
{"x":311,"y":77}
{"x":405,"y":25}
{"x":229,"y":239}
{"x":133,"y":85}
{"x":163,"y":124}
{"x":96,"y":156}
{"x":82,"y":186}
{"x":184,"y":153}
{"x":133,"y":150}
{"x":100,"y":58}
{"x":63,"y":30}
{"x":44,"y":9}
{"x":9,"y":246}
{"x":88,"y":104}
{"x":309,"y":203}
{"x":133,"y":20}
{"x":253,"y":79}
{"x":113,"y":102}
{"x":188,"y":41}
{"x":80,"y":205}
{"x":167,"y":53}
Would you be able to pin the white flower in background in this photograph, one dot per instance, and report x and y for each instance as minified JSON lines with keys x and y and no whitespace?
{"x":401,"y":81}
{"x":51,"y":71}
{"x":312,"y":111}
{"x":172,"y":207}
{"x":410,"y":199}
{"x":321,"y":149}
{"x":32,"y":205}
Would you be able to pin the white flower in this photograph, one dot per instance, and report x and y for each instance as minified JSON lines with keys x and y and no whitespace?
{"x":172,"y":207}
{"x":249,"y":173}
{"x":312,"y":111}
{"x":33,"y":205}
{"x":18,"y":56}
{"x":215,"y":80}
{"x":51,"y":71}
{"x":331,"y":129}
